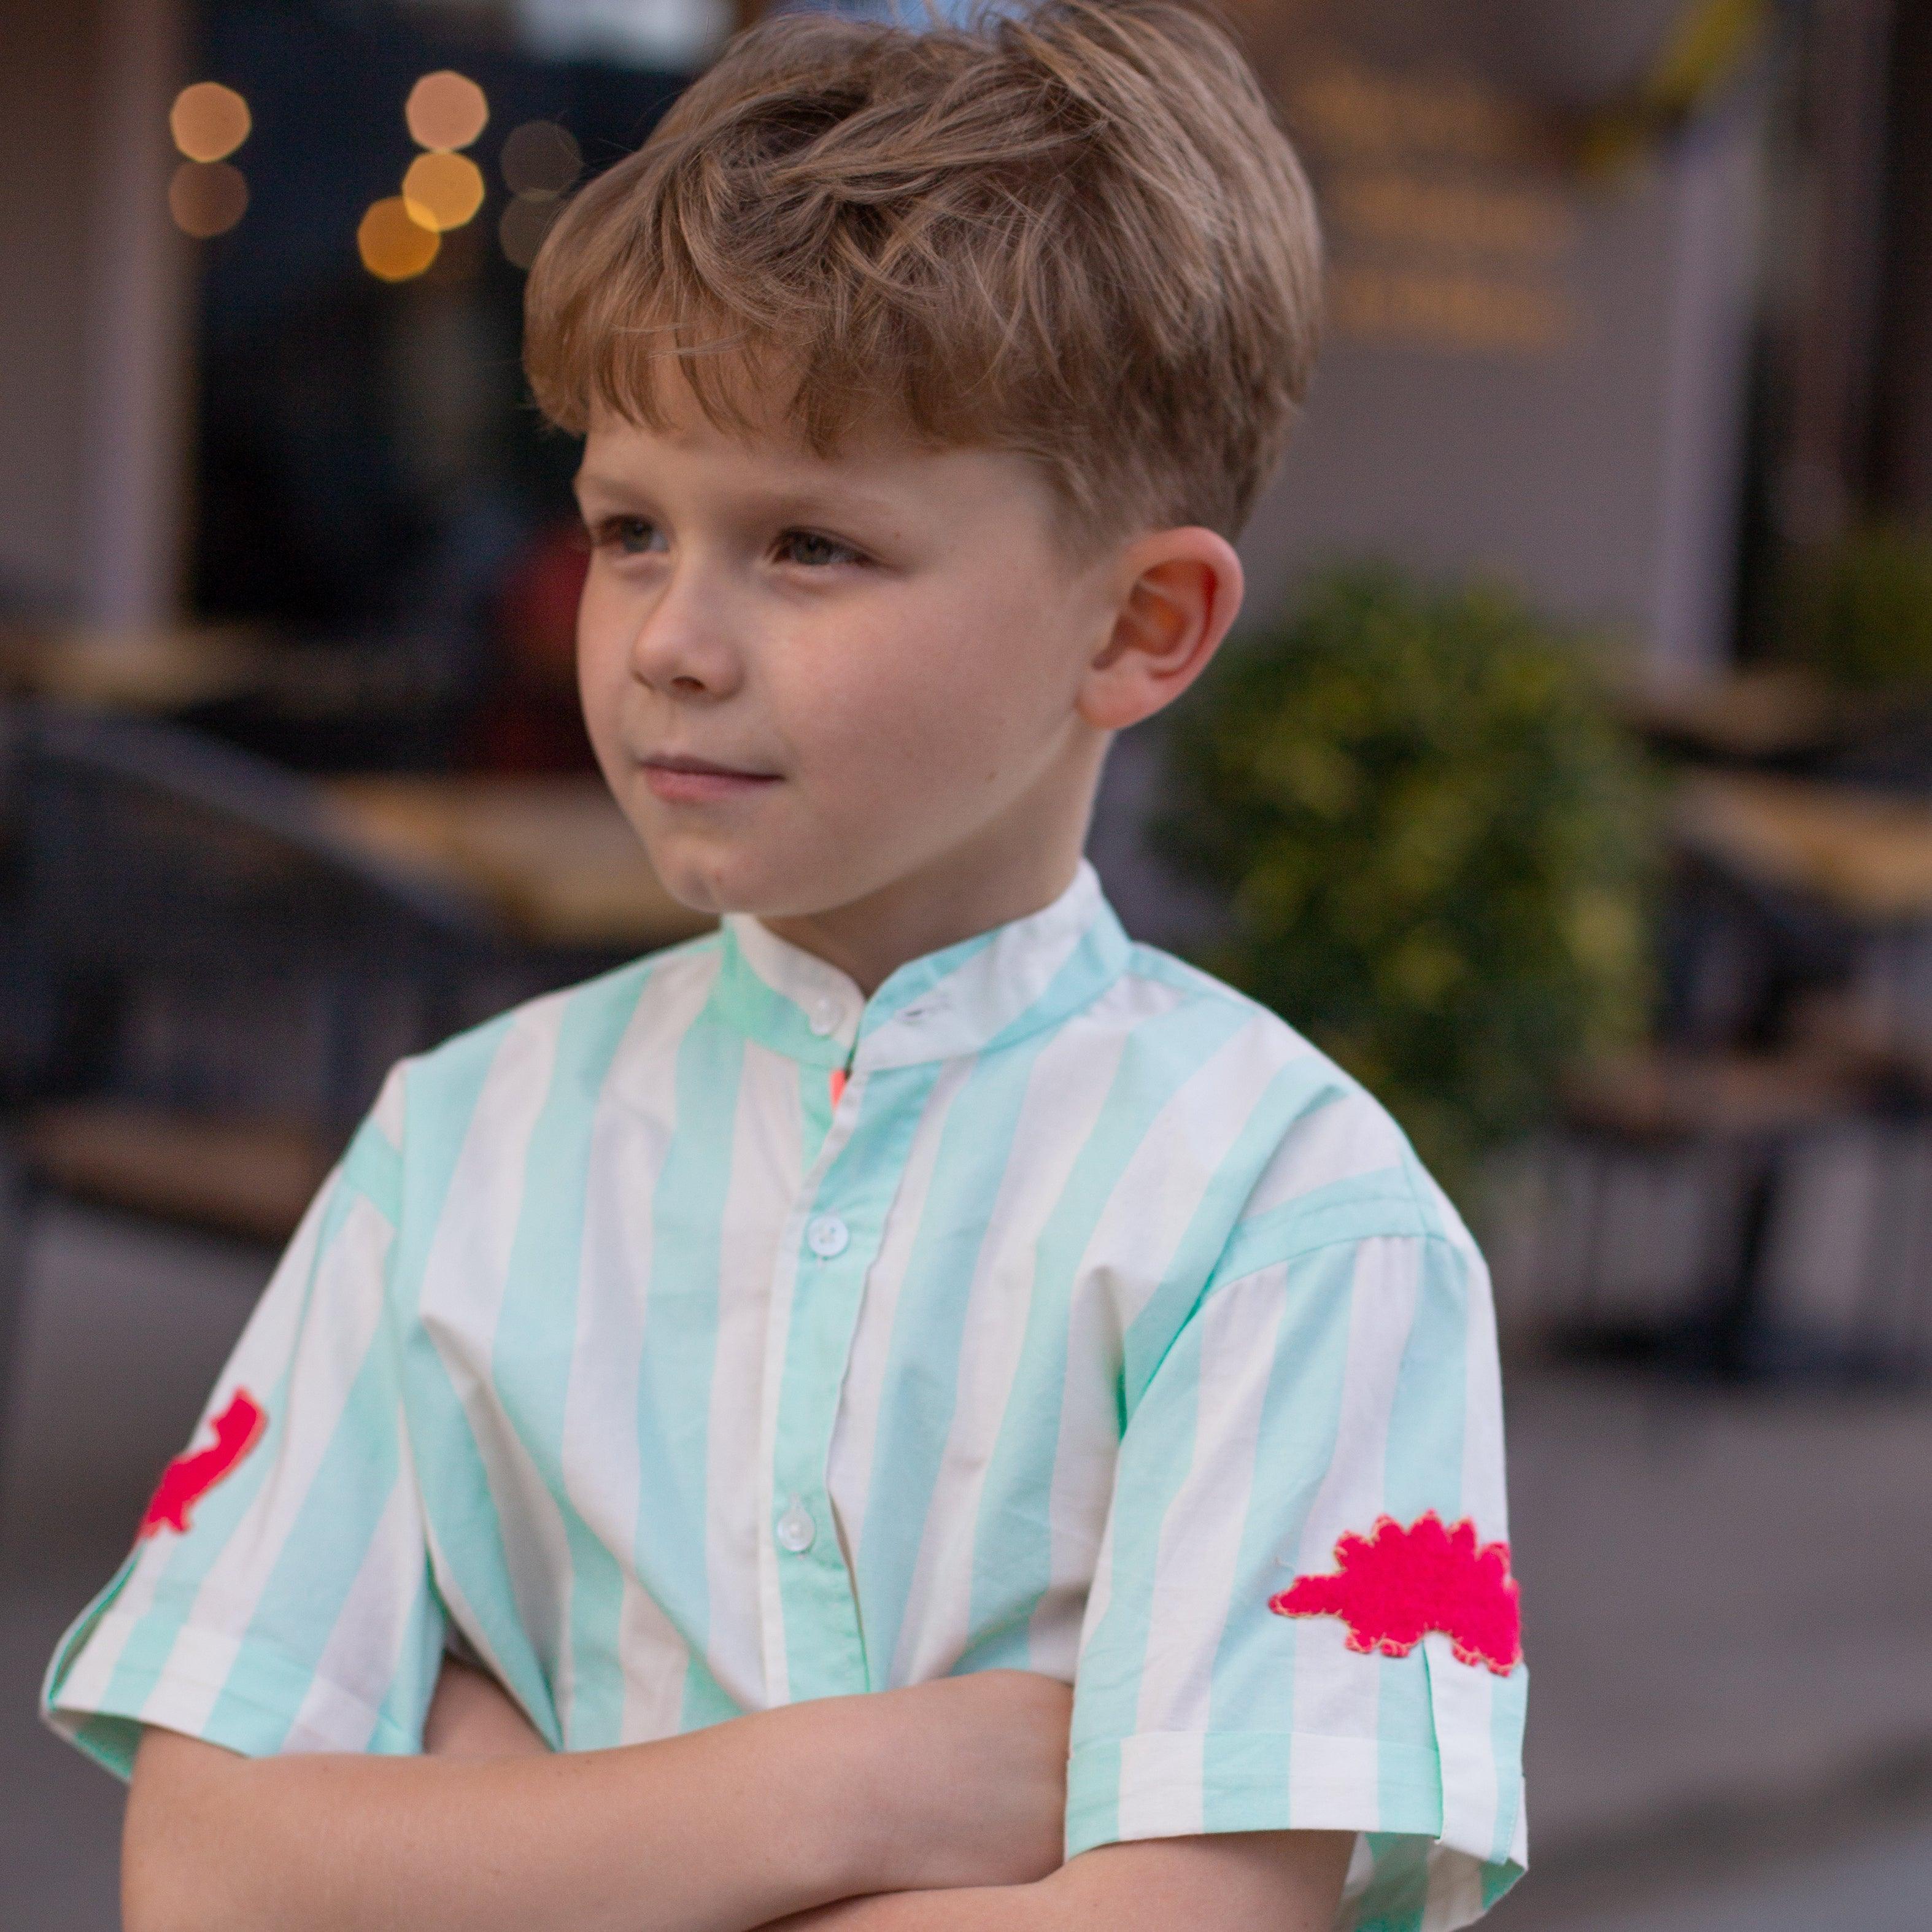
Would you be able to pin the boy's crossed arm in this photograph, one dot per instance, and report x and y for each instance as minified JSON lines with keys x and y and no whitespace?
{"x":1281,"y":1881}
{"x":942,"y":1802}
{"x":1230,"y":1881}
{"x":958,"y":1783}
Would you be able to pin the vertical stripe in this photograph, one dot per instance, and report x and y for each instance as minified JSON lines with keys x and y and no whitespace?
{"x":467,"y":1537}
{"x":385,"y":1614}
{"x":1334,"y":1697}
{"x":972,"y":1164}
{"x":1065,"y":1086}
{"x":681,"y":1328}
{"x":1196,"y":1566}
{"x":465,"y":1278}
{"x":765,"y":1180}
{"x":1257,"y":1659}
{"x":322,"y":1521}
{"x":536,"y":1349}
{"x":634,"y":1124}
{"x":858,"y":1427}
{"x":1014,"y":1547}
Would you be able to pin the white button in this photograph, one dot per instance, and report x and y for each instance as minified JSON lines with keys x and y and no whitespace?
{"x":828,"y":1235}
{"x":797,"y":1528}
{"x":824,"y":1015}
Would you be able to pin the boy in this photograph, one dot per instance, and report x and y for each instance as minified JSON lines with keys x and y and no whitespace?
{"x":788,"y":1363}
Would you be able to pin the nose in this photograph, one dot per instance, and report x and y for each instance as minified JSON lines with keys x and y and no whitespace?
{"x":682,"y":647}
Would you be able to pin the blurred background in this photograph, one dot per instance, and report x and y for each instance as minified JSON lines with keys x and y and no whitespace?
{"x":1569,"y":778}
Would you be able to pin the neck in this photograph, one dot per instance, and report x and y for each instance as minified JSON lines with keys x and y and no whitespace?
{"x":1011,"y":872}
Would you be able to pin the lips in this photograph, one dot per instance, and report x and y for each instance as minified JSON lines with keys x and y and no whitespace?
{"x":688,"y":780}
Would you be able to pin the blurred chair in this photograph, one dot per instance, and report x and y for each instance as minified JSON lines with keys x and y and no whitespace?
{"x":201,"y":981}
{"x":1800,"y":918}
{"x":1732,"y":1127}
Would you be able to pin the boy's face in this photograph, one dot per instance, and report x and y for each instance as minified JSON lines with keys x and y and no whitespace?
{"x":883,"y":649}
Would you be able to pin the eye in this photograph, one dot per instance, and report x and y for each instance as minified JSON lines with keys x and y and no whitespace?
{"x":813,"y":548}
{"x":631,"y":536}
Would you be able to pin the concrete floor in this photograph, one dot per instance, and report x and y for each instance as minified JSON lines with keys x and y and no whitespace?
{"x":1879,"y":1881}
{"x":1728,"y":1600}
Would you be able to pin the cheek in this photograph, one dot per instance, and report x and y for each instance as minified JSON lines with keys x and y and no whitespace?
{"x":897,"y":718}
{"x":601,"y":640}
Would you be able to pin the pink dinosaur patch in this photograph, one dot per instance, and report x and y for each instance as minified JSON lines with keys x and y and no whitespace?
{"x":1394,"y":1585}
{"x":189,"y":1477}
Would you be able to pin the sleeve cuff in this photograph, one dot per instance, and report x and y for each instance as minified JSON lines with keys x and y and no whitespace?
{"x":246,"y":1695}
{"x":1174,"y":1784}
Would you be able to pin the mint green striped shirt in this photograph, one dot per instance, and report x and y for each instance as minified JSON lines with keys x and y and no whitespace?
{"x":708,"y":1336}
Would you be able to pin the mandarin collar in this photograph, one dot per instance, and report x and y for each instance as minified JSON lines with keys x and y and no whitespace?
{"x":999,"y":985}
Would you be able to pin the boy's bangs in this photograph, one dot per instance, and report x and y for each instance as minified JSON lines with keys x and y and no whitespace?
{"x":746,"y":380}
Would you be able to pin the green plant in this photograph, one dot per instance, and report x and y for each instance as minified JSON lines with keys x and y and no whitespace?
{"x":1858,"y":611}
{"x":1434,"y":839}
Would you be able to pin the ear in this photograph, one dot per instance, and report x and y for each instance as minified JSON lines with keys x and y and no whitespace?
{"x":1178,"y":592}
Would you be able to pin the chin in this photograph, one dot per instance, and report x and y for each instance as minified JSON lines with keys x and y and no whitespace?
{"x":718,"y":885}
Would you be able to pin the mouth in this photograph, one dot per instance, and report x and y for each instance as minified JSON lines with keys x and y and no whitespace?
{"x":688,"y":780}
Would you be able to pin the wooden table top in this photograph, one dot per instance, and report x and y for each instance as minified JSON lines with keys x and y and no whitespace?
{"x":1864,"y":854}
{"x":553,"y":855}
{"x":161,"y":669}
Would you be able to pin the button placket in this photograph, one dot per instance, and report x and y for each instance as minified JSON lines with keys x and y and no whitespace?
{"x":848,"y":1196}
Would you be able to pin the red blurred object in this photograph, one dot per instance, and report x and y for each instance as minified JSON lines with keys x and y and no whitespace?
{"x":531,"y":720}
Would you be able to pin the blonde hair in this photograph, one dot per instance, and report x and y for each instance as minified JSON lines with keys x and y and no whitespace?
{"x":1074,"y":231}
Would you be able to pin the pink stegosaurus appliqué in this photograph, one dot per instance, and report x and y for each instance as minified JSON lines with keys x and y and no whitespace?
{"x":1393,"y":1585}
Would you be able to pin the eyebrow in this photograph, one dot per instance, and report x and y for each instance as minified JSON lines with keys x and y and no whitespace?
{"x":834,"y":500}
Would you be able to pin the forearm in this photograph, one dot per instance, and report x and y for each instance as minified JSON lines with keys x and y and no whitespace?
{"x":1009,"y":1908}
{"x":716,"y":1830}
{"x":1233,"y":1882}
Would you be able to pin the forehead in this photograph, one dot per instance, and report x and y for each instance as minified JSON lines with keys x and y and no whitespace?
{"x":737,"y":403}
{"x":878,"y":466}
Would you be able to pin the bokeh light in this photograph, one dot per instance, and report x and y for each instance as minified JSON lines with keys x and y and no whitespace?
{"x":446,"y":109}
{"x":208,"y":121}
{"x":443,"y":190}
{"x":207,"y":198}
{"x":393,"y":243}
{"x":523,"y":226}
{"x":541,"y":159}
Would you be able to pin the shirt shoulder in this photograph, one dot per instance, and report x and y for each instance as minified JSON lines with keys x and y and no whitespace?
{"x":1322,"y":1158}
{"x":494,"y":1071}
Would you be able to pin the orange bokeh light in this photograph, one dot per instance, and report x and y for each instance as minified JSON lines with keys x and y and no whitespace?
{"x":446,"y":109}
{"x":208,"y":121}
{"x":207,"y":198}
{"x":443,"y":190}
{"x":393,"y":245}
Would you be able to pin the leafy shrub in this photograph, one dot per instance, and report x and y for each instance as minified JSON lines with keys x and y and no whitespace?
{"x":1434,"y":838}
{"x":1859,"y":611}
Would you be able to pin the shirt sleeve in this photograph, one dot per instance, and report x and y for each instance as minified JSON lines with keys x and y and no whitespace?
{"x":1302,"y":1616}
{"x":277,"y":1596}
